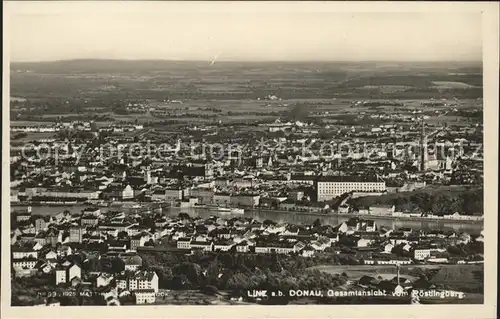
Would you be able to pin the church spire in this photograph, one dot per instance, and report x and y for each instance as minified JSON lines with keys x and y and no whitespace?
{"x":423,"y":148}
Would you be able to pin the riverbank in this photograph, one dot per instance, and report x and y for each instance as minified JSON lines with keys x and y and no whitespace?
{"x":47,"y":203}
{"x":297,"y":218}
{"x":458,"y":220}
{"x":374,"y":217}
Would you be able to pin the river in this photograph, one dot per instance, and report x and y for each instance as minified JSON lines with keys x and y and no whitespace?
{"x":288,"y":217}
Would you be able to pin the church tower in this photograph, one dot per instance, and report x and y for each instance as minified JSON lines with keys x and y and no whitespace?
{"x":147,"y":175}
{"x":423,"y":149}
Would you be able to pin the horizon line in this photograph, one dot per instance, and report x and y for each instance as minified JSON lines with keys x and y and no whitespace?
{"x":247,"y":61}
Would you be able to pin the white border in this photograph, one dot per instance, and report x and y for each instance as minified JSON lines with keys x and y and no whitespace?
{"x":490,"y":65}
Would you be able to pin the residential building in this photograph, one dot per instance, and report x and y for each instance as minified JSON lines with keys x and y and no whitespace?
{"x":52,"y":237}
{"x":51,"y":255}
{"x":75,"y":234}
{"x":205,"y":195}
{"x":24,"y":263}
{"x":104,"y":280}
{"x":203,"y":245}
{"x":138,"y":241}
{"x":421,"y":253}
{"x":222,"y":199}
{"x":143,"y":280}
{"x":295,"y":195}
{"x":132,"y":263}
{"x":224,"y":245}
{"x":158,"y":196}
{"x":40,"y":238}
{"x":173,"y":194}
{"x":184,"y":243}
{"x":25,"y":251}
{"x":247,"y":200}
{"x":20,"y":217}
{"x":89,"y":220}
{"x":40,"y":224}
{"x":145,"y":296}
{"x":127,"y":193}
{"x":66,"y":272}
{"x":242,"y":247}
{"x":386,"y":210}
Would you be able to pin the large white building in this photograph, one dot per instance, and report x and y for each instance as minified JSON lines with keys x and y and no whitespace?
{"x":24,"y":263}
{"x":421,"y":253}
{"x":333,"y":186}
{"x":143,"y":280}
{"x":23,"y":252}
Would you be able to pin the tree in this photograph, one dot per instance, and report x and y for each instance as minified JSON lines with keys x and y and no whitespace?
{"x":317,"y":223}
{"x":299,"y":112}
{"x":456,"y":251}
{"x":277,"y":134}
{"x":129,"y":299}
{"x":268,"y":222}
{"x":122,"y":235}
{"x":212,"y":272}
{"x":164,"y":276}
{"x":192,"y":272}
{"x":210,"y":290}
{"x":148,"y":222}
{"x":112,"y":265}
{"x":180,"y":282}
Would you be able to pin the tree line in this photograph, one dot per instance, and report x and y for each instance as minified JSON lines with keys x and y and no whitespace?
{"x":467,"y":201}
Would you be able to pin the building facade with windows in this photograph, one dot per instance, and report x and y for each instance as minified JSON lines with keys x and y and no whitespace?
{"x":330,"y":187}
{"x":145,"y":296}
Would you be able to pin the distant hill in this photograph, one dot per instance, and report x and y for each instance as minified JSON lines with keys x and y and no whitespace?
{"x":98,"y":65}
{"x":158,"y":79}
{"x":103,"y":65}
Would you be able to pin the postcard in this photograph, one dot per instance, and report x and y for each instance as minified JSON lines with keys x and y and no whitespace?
{"x":249,"y":159}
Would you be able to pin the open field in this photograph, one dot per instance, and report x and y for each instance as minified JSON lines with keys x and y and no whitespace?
{"x":32,"y":137}
{"x":48,"y":121}
{"x":354,"y":272}
{"x":467,"y":299}
{"x":27,"y":123}
{"x":100,"y":89}
{"x":467,"y":278}
{"x":211,"y":111}
{"x":452,"y":85}
{"x":192,"y":297}
{"x":238,"y":81}
{"x":386,"y":88}
{"x":435,"y":198}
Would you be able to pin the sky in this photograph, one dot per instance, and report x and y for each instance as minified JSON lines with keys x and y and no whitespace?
{"x":56,"y":33}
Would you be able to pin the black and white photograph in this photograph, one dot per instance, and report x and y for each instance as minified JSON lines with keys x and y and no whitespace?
{"x":180,"y":157}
